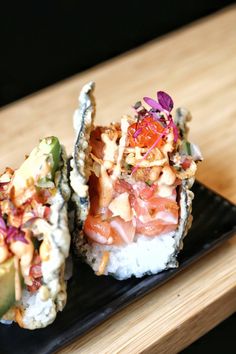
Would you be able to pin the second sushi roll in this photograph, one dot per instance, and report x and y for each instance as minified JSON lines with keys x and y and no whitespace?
{"x":34,"y":237}
{"x":131,"y":183}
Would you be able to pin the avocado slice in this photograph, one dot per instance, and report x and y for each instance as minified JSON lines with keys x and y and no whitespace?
{"x":40,"y":166}
{"x":7,"y":285}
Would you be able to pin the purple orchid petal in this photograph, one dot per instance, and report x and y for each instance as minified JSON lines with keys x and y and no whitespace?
{"x":154,"y":104}
{"x":165,"y":100}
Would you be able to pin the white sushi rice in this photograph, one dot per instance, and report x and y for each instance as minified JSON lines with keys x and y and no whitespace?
{"x":37,"y":313}
{"x":145,"y":255}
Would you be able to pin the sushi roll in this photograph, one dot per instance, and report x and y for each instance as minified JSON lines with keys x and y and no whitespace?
{"x":34,"y":237}
{"x":131,"y":186}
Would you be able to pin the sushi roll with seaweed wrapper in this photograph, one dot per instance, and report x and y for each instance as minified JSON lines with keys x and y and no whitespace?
{"x":34,"y":237}
{"x":131,"y":186}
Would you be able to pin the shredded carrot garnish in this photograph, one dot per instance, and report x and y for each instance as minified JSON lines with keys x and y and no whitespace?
{"x":103,"y":264}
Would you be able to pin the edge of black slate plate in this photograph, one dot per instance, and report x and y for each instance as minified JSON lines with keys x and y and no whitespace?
{"x":123,"y":293}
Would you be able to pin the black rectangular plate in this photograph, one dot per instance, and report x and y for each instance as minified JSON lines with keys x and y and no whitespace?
{"x":93,"y":299}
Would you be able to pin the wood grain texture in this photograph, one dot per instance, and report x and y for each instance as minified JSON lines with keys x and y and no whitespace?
{"x":197,"y":66}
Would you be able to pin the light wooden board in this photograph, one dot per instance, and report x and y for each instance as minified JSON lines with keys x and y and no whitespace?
{"x":197,"y":66}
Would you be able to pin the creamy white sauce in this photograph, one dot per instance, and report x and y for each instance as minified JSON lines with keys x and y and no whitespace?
{"x":110,"y":149}
{"x":106,"y":189}
{"x":78,"y":182}
{"x":144,"y":255}
{"x":122,"y":143}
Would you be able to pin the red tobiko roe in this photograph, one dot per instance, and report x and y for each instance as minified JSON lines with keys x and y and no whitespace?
{"x":149,"y":132}
{"x":151,"y":148}
{"x":145,"y":132}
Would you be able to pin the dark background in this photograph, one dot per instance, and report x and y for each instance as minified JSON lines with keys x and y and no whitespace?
{"x":45,"y":41}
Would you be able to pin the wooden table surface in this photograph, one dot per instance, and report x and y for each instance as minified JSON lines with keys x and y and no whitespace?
{"x":197,"y":66}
